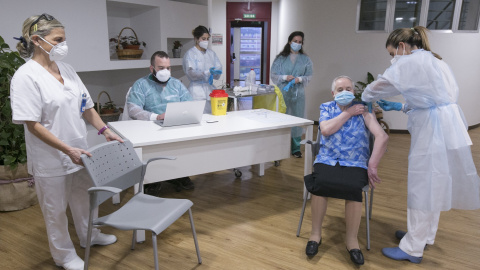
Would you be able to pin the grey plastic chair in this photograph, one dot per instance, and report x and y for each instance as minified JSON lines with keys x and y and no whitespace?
{"x":115,"y":167}
{"x":368,"y":205}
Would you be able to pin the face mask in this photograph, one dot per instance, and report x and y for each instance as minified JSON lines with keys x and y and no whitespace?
{"x":295,"y":46}
{"x":396,"y":56}
{"x":163,"y":75}
{"x":203,"y":44}
{"x":344,"y":98}
{"x":58,"y":52}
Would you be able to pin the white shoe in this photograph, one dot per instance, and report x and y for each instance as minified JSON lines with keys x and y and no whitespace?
{"x":102,"y":240}
{"x":75,"y":264}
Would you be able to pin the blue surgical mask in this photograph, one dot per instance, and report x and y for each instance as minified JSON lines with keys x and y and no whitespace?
{"x":344,"y":98}
{"x":295,"y":46}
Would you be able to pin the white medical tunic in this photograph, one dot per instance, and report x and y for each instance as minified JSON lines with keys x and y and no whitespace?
{"x":36,"y":95}
{"x":441,"y":171}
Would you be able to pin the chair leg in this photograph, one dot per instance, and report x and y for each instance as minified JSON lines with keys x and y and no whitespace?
{"x":155,"y":252}
{"x":371,"y":203}
{"x":194,"y":236}
{"x":134,"y":239}
{"x":89,"y":241}
{"x":367,"y":218}
{"x":305,"y":196}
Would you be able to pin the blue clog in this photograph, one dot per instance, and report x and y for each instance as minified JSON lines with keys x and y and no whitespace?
{"x":397,"y":254}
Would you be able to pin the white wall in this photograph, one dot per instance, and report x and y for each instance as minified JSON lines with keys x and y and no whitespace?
{"x":88,"y":29}
{"x":336,"y":49}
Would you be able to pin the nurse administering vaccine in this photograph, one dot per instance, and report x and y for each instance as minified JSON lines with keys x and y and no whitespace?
{"x":50,"y":100}
{"x":441,"y":171}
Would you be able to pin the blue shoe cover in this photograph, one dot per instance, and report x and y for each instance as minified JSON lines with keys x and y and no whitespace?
{"x":397,"y":254}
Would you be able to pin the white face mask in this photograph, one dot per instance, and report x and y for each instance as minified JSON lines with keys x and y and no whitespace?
{"x":203,"y":44}
{"x":396,"y":56}
{"x":163,"y":75}
{"x":58,"y":52}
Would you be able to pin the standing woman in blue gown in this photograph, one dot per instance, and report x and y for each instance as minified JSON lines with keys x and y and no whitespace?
{"x":291,"y":72}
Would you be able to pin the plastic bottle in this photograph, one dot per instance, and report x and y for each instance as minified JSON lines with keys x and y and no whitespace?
{"x":251,"y":80}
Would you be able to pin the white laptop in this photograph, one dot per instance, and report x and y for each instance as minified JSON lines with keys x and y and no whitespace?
{"x":182,"y":113}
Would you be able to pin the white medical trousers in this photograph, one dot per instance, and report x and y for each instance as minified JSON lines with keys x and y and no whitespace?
{"x":54,"y":194}
{"x":422,"y":228}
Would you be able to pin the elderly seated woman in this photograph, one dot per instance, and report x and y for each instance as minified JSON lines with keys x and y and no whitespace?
{"x":341,"y":169}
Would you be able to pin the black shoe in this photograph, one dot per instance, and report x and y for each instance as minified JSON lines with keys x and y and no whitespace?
{"x":312,"y":247}
{"x":400,"y":234}
{"x":356,"y":256}
{"x":153,"y":188}
{"x":182,"y":183}
{"x":297,"y":154}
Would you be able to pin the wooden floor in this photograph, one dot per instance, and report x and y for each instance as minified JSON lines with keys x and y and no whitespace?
{"x":250,"y":223}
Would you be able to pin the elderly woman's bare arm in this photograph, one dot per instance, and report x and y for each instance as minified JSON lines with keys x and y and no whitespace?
{"x":379,"y":147}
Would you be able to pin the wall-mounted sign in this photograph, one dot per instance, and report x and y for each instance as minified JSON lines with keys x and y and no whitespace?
{"x":249,"y":16}
{"x":217,"y":39}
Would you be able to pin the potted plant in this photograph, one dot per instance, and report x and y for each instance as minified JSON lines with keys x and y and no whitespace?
{"x":16,"y":185}
{"x":108,"y":108}
{"x":177,"y":49}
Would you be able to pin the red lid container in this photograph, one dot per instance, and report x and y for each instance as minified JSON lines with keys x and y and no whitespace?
{"x":217,"y":93}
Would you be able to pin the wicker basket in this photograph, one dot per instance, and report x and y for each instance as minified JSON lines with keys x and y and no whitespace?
{"x":128,"y":54}
{"x":111,"y":117}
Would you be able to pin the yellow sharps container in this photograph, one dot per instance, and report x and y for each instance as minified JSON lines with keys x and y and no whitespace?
{"x":219,"y":99}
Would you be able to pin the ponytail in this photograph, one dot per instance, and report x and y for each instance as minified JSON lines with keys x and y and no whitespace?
{"x":415,"y":36}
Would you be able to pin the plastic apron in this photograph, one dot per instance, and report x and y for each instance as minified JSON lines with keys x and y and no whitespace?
{"x":196,"y":65}
{"x":441,"y":172}
{"x":295,"y":96}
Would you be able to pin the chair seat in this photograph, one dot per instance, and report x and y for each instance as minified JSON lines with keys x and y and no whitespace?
{"x":145,"y":212}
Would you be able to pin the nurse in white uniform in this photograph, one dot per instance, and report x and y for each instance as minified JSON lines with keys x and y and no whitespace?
{"x":201,"y":65}
{"x":441,"y":171}
{"x":50,"y":100}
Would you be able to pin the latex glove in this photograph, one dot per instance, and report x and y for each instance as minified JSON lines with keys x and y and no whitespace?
{"x":214,"y":71}
{"x":210,"y":79}
{"x":289,"y":85}
{"x":389,"y":105}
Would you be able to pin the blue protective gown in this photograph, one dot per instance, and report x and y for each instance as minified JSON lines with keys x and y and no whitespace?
{"x":196,"y":65}
{"x":299,"y":66}
{"x":148,"y":96}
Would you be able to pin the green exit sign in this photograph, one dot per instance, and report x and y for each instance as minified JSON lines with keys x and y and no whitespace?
{"x":248,"y":16}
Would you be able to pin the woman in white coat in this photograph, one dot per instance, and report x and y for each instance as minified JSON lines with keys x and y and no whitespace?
{"x":50,"y":100}
{"x":201,"y":65}
{"x":441,"y":172}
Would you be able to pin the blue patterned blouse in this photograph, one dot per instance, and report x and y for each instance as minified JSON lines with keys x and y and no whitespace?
{"x":349,"y":146}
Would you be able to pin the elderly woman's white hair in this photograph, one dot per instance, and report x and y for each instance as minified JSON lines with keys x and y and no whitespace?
{"x":338,"y":78}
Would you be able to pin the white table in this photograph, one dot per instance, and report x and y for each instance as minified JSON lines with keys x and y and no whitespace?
{"x":238,"y":139}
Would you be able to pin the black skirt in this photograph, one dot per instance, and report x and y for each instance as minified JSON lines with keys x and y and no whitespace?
{"x":337,"y":181}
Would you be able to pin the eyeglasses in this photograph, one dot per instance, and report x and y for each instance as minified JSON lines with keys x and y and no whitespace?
{"x":44,"y":15}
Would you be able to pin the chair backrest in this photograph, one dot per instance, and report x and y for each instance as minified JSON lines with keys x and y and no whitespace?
{"x":125,"y":116}
{"x":113,"y":164}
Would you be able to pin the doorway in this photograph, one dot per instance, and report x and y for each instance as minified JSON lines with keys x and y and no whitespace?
{"x":248,"y":41}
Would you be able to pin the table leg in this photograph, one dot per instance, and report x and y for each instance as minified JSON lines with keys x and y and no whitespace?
{"x":261,"y":169}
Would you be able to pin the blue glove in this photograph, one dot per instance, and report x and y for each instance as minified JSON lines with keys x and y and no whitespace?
{"x":389,"y":105}
{"x":289,"y":85}
{"x":213,"y":71}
